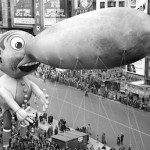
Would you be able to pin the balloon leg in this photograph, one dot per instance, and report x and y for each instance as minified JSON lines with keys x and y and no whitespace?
{"x":23,"y":130}
{"x":7,"y":128}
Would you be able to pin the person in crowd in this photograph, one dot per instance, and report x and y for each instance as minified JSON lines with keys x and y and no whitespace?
{"x":56,"y":130}
{"x":50,"y":131}
{"x":121,"y":138}
{"x":104,"y":147}
{"x":45,"y":115}
{"x":129,"y":148}
{"x":88,"y":129}
{"x":103,"y":138}
{"x":86,"y":92}
{"x":92,"y":147}
{"x":97,"y":139}
{"x":50,"y":119}
{"x":118,"y":140}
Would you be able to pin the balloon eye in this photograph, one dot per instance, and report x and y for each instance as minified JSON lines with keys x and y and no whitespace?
{"x":17,"y":43}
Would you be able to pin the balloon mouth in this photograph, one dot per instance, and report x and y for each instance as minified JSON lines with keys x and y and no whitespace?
{"x":28,"y":67}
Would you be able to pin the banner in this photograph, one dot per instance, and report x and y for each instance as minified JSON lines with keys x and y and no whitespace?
{"x":114,"y":74}
{"x":38,"y":10}
{"x":23,"y":12}
{"x":136,"y":89}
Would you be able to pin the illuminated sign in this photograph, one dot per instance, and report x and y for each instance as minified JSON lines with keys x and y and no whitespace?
{"x":38,"y":10}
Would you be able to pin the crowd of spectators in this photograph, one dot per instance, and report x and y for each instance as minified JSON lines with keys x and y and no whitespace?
{"x":33,"y":137}
{"x":90,"y":81}
{"x":87,"y":81}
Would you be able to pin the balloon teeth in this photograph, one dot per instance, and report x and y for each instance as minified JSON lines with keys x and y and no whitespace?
{"x":31,"y":64}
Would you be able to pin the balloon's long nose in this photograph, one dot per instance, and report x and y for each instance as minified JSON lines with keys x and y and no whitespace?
{"x":99,"y":39}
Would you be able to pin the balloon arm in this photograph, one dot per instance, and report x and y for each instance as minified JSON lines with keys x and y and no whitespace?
{"x":8,"y":98}
{"x":36,"y":90}
{"x":39,"y":93}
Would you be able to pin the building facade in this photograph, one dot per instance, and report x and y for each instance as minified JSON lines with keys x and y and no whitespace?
{"x":100,"y":4}
{"x":33,"y":15}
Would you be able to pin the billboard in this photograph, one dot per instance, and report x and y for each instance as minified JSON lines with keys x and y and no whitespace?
{"x":23,"y":12}
{"x":54,"y":11}
{"x":83,"y":6}
{"x":133,"y":3}
{"x":139,"y":66}
{"x":5,"y":15}
{"x":141,"y":5}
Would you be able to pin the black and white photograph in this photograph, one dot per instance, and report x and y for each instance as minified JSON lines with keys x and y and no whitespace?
{"x":74,"y":74}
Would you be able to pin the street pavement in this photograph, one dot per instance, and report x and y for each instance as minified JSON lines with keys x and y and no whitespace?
{"x":103,"y":115}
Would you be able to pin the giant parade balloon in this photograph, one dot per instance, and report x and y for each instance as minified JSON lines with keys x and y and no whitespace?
{"x":15,"y":88}
{"x":99,"y":39}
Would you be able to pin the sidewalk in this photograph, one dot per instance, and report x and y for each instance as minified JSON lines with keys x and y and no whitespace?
{"x":55,"y":123}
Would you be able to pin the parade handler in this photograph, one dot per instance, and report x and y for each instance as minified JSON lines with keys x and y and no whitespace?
{"x":15,"y":88}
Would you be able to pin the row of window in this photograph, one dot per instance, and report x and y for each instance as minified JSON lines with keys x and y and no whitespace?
{"x":112,"y":4}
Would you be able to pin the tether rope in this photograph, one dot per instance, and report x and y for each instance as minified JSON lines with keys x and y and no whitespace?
{"x":83,"y":101}
{"x":103,"y":117}
{"x":138,"y":128}
{"x":134,"y":116}
{"x":55,"y":85}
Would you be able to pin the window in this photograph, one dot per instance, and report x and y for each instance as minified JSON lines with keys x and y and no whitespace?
{"x":111,"y":4}
{"x":102,"y":4}
{"x":121,"y":3}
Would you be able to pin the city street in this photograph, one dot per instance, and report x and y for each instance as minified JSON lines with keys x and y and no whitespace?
{"x":103,"y":115}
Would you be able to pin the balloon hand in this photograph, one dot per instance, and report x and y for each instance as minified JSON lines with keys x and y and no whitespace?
{"x":24,"y":116}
